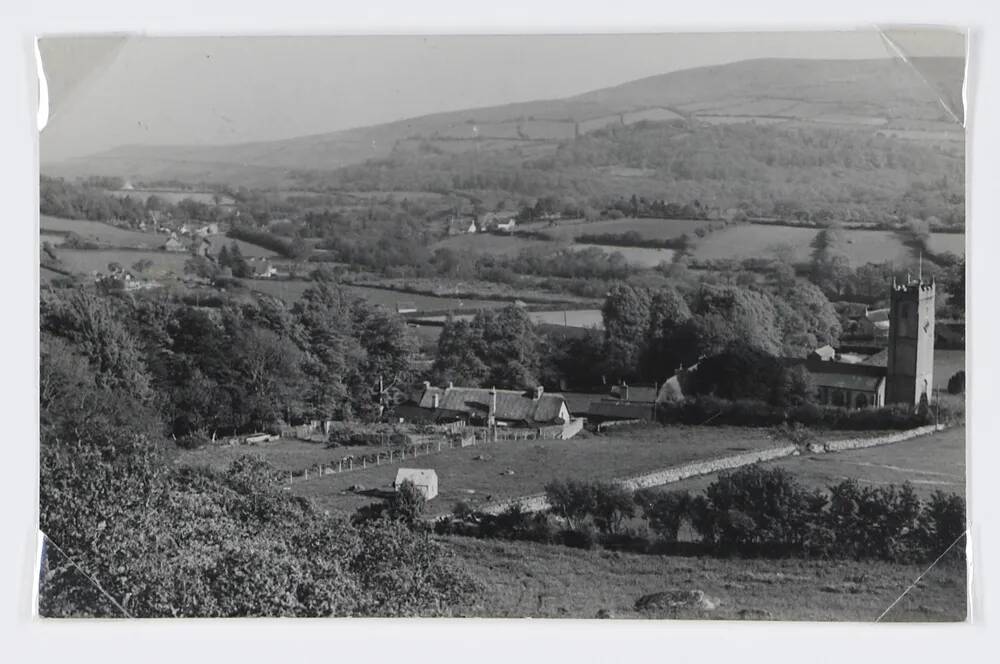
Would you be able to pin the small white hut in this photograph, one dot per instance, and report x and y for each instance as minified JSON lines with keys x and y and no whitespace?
{"x":425,"y":479}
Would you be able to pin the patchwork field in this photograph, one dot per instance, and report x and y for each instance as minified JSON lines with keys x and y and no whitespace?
{"x":749,"y":240}
{"x":480,"y":474}
{"x":96,"y":231}
{"x":930,"y":462}
{"x":290,"y":291}
{"x":102,"y":233}
{"x":536,"y":580}
{"x":508,"y":245}
{"x":88,"y":261}
{"x":652,"y":229}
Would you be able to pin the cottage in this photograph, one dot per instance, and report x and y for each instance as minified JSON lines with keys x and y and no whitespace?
{"x":491,"y":407}
{"x":173,"y":244}
{"x":424,"y":479}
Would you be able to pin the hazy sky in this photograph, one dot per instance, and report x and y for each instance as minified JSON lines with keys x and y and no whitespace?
{"x":110,"y":91}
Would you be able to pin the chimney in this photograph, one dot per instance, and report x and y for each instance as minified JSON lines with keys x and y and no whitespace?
{"x":538,"y":392}
{"x":450,"y":385}
{"x":427,"y":385}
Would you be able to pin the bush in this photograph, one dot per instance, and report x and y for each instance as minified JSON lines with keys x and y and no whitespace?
{"x":664,"y":511}
{"x":956,"y":384}
{"x":756,"y":510}
{"x":880,"y":522}
{"x":942,"y":522}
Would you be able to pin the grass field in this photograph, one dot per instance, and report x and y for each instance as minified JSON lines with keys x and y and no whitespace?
{"x":749,"y":240}
{"x":97,"y":231}
{"x":928,"y":463}
{"x":291,"y":291}
{"x":285,"y":454}
{"x":541,"y":581}
{"x":508,"y":245}
{"x":652,"y":229}
{"x":100,"y":232}
{"x":477,"y":474}
{"x":87,"y":261}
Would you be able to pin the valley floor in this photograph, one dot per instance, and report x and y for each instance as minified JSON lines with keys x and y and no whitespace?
{"x":543,"y":581}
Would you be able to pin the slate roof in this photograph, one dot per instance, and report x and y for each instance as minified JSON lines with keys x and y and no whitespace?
{"x":512,"y":405}
{"x":847,"y":381}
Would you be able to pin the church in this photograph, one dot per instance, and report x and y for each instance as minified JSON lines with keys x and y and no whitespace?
{"x":902,"y":372}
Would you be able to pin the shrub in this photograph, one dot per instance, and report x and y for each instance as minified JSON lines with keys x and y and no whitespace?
{"x":756,"y":510}
{"x":611,"y":505}
{"x":942,"y":522}
{"x":956,"y":384}
{"x":570,"y":500}
{"x":664,"y":511}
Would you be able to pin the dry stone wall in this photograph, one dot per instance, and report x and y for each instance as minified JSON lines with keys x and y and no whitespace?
{"x":538,"y":502}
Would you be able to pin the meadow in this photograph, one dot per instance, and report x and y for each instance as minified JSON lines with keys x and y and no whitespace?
{"x":863,"y":246}
{"x":96,"y":231}
{"x":88,"y":261}
{"x":929,"y":463}
{"x":290,"y":291}
{"x":511,"y":245}
{"x":106,"y":234}
{"x":651,"y":229}
{"x":546,"y":581}
{"x":508,"y":469}
{"x":287,"y":454}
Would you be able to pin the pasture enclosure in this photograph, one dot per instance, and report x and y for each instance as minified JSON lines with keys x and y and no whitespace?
{"x":863,"y":246}
{"x":88,"y":261}
{"x":479,"y":475}
{"x":650,"y":229}
{"x":935,"y":461}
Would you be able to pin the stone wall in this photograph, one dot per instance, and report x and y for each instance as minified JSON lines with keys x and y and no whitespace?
{"x":537,"y":502}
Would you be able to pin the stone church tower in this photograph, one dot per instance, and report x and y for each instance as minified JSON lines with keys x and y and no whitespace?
{"x":910,"y":370}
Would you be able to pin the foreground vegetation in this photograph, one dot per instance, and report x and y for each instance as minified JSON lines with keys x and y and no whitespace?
{"x":541,"y":581}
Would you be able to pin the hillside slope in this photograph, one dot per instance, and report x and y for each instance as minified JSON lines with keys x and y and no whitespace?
{"x":917,"y":99}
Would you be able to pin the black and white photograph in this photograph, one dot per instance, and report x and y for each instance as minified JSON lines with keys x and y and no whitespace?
{"x":661,"y":326}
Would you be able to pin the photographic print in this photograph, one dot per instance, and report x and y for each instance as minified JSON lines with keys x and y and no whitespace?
{"x":634,"y":326}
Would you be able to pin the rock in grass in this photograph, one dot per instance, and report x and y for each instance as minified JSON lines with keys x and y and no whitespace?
{"x":674,"y":601}
{"x":754,"y":614}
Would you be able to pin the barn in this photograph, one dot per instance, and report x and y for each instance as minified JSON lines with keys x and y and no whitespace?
{"x":424,"y":479}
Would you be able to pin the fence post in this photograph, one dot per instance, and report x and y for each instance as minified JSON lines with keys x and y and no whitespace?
{"x":305,"y":474}
{"x":350,"y":463}
{"x":364,"y":463}
{"x":340,"y":466}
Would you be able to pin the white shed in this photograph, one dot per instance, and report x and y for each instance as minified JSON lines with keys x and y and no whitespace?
{"x":425,"y":479}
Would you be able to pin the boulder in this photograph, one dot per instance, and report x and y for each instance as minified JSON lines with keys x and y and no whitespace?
{"x":754,"y":614}
{"x":675,"y":601}
{"x":604,"y":614}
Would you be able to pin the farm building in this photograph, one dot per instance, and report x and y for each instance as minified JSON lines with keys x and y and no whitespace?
{"x":497,"y":221}
{"x":490,"y":407}
{"x":173,"y":244}
{"x":424,"y":479}
{"x":461,"y":225}
{"x":875,"y":323}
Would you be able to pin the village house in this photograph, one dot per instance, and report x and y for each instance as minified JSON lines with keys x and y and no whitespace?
{"x":261,"y":268}
{"x":503,"y":221}
{"x":875,"y":324}
{"x":461,"y":225}
{"x":173,"y":244}
{"x":491,"y":407}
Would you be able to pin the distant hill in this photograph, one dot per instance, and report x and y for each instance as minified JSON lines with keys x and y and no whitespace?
{"x":916,"y":101}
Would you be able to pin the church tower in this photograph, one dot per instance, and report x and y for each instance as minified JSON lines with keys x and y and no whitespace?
{"x":910,"y":370}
